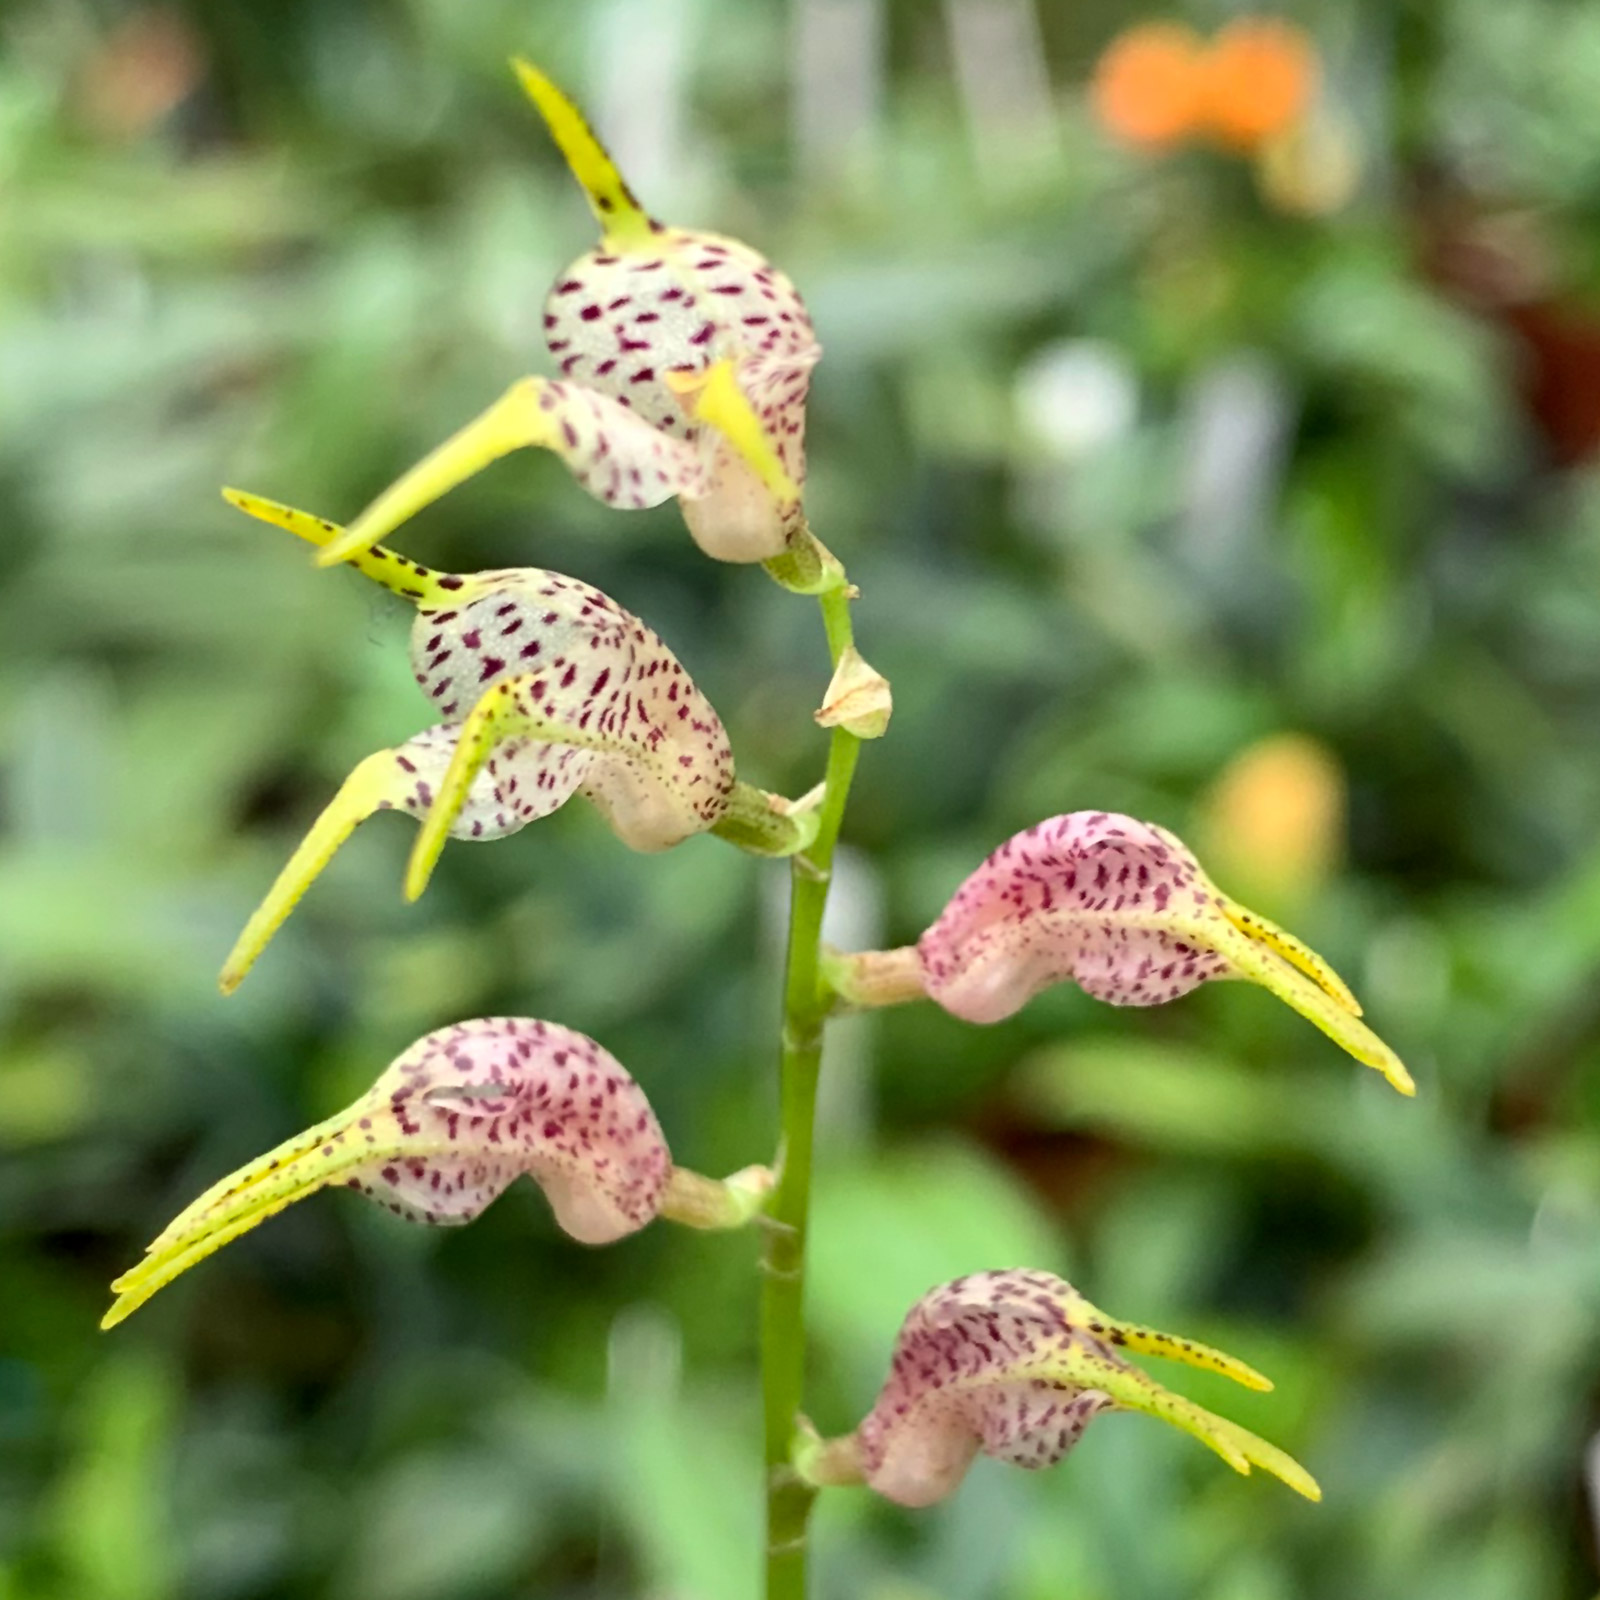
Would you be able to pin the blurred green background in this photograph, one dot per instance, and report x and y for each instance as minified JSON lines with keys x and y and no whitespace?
{"x":1263,"y":507}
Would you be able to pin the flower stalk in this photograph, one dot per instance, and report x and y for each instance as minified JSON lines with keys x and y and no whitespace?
{"x":806,"y":1002}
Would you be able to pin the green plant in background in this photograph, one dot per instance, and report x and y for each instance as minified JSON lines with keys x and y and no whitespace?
{"x":686,"y":361}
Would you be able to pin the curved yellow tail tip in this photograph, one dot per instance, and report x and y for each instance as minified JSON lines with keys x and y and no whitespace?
{"x":419,"y":868}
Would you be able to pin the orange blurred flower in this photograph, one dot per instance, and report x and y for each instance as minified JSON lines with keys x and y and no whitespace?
{"x":1148,"y":87}
{"x":1159,"y":84}
{"x":1259,"y":76}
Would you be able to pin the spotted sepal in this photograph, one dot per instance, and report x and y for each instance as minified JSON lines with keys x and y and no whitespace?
{"x":1016,"y":1365}
{"x":451,"y":1124}
{"x":626,"y":324}
{"x":1123,"y":909}
{"x":546,"y":688}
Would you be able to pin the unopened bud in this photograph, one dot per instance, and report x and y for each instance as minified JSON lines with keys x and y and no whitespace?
{"x":858,"y":700}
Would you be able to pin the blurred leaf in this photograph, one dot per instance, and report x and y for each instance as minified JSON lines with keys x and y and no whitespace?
{"x":111,"y":1517}
{"x":885,"y":1233}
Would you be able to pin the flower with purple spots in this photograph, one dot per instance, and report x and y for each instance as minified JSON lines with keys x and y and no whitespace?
{"x":1016,"y":1365}
{"x":685,"y":359}
{"x":1122,"y":909}
{"x":544,"y":688}
{"x":450,"y":1125}
{"x":684,"y":368}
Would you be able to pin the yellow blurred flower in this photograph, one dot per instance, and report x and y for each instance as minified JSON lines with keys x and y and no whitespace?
{"x":1273,"y":823}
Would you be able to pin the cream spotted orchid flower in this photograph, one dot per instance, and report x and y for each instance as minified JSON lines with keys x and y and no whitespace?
{"x":544,"y":688}
{"x":449,"y":1126}
{"x":1016,"y":1365}
{"x":1123,"y":909}
{"x":685,"y":361}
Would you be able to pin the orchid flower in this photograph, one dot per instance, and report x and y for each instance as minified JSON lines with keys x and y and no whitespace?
{"x":447,"y":1128}
{"x":685,"y":361}
{"x":1016,"y":1365}
{"x":1124,"y":910}
{"x":545,"y":688}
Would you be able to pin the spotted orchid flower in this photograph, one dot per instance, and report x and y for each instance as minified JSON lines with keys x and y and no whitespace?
{"x":685,"y":361}
{"x":1123,"y":909}
{"x":1016,"y":1365}
{"x":544,"y":688}
{"x":449,"y":1126}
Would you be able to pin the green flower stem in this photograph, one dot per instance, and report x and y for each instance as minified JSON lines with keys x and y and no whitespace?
{"x":765,"y":824}
{"x":805,"y":1008}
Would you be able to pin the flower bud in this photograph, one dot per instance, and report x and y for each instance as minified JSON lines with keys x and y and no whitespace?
{"x":1016,"y":1365}
{"x":858,"y":700}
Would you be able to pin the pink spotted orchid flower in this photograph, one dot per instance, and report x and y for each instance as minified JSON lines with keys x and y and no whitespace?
{"x":1122,"y":909}
{"x":1016,"y":1365}
{"x":447,"y":1128}
{"x":685,"y":361}
{"x":544,"y":688}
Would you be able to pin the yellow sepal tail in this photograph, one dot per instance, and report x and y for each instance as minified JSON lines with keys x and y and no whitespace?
{"x":1260,"y":961}
{"x":622,"y":220}
{"x":1133,"y":1390}
{"x":513,"y":422}
{"x":719,"y":402}
{"x":300,"y":1166}
{"x":397,"y":573}
{"x":502,"y":713}
{"x":376,"y":783}
{"x":1137,"y":1338}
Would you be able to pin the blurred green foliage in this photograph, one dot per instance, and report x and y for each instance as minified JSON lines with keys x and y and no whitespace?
{"x":1134,"y":471}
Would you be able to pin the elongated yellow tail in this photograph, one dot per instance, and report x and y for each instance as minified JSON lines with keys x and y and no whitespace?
{"x":1240,"y":1448}
{"x":622,"y":220}
{"x":298,"y":1167}
{"x":1260,"y":961}
{"x":515,"y":420}
{"x":717,"y":400}
{"x":379,"y":782}
{"x":1255,"y":926}
{"x":1081,"y":1366}
{"x":1135,"y":1337}
{"x":505,"y":711}
{"x":397,"y":573}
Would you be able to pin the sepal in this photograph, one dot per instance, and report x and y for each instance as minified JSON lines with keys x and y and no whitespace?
{"x":1016,"y":1365}
{"x":1123,"y":909}
{"x":447,"y":1128}
{"x":684,"y":365}
{"x":546,"y":688}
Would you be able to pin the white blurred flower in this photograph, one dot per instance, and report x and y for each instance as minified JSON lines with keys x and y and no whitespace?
{"x":1075,"y":396}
